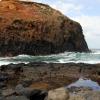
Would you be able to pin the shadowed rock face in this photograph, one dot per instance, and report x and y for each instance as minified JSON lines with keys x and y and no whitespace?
{"x":37,"y":29}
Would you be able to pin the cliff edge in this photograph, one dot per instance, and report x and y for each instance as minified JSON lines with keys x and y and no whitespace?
{"x":37,"y":29}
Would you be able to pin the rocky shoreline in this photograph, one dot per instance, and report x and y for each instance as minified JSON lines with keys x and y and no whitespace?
{"x":37,"y":29}
{"x":36,"y":80}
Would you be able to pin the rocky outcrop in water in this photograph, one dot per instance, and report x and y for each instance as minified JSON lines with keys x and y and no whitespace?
{"x":34,"y":28}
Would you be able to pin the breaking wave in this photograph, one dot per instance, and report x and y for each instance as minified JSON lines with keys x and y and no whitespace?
{"x":66,"y":57}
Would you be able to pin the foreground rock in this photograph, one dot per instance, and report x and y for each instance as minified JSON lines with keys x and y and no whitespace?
{"x":46,"y":76}
{"x":58,"y":94}
{"x":32,"y":94}
{"x":23,"y":93}
{"x":55,"y":94}
{"x":83,"y":94}
{"x":38,"y":81}
{"x":34,"y":28}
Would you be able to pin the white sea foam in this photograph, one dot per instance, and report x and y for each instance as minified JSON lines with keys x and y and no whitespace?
{"x":66,"y":57}
{"x":7,"y":62}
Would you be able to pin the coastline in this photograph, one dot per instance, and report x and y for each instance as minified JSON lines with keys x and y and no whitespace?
{"x":46,"y":76}
{"x":44,"y":54}
{"x":50,"y":71}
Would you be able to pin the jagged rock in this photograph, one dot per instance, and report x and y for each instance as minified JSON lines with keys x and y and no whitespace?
{"x":34,"y":28}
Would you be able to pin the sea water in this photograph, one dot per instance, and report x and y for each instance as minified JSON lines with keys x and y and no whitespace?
{"x":67,"y":57}
{"x":91,"y":58}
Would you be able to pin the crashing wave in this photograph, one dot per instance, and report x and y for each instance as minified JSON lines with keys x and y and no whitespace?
{"x":66,"y":57}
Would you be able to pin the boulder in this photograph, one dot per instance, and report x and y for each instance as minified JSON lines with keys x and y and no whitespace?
{"x":38,"y":95}
{"x":20,"y":90}
{"x":58,"y":94}
{"x":37,"y":29}
{"x":85,"y":95}
{"x":32,"y":94}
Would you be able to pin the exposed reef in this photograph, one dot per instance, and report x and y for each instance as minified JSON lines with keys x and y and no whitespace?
{"x":38,"y":81}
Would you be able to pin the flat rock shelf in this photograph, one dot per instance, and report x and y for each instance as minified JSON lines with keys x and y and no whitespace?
{"x":34,"y":80}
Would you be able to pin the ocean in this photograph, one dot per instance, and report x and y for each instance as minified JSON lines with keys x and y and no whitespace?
{"x":67,"y":57}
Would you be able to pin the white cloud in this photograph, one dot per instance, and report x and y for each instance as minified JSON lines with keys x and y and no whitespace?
{"x":91,"y":29}
{"x":64,"y":6}
{"x":67,"y":8}
{"x":98,"y":1}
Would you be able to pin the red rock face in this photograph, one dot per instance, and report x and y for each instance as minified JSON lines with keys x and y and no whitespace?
{"x":37,"y":29}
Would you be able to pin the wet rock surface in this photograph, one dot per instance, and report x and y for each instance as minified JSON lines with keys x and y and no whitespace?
{"x":37,"y":29}
{"x":49,"y":76}
{"x":39,"y":80}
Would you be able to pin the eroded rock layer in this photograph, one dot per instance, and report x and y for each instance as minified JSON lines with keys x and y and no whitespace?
{"x":34,"y":28}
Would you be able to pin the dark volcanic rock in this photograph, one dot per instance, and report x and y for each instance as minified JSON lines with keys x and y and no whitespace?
{"x":34,"y":28}
{"x":46,"y":76}
{"x":32,"y":94}
{"x":38,"y":95}
{"x":37,"y":78}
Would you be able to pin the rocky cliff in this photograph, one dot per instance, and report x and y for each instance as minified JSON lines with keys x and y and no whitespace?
{"x":34,"y":28}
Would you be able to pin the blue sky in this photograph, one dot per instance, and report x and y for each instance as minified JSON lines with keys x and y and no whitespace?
{"x":86,"y":12}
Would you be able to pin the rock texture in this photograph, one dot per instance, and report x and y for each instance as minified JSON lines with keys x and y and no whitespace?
{"x":82,"y":94}
{"x":85,"y":94}
{"x":58,"y":94}
{"x":39,"y":81}
{"x":45,"y":76}
{"x":34,"y":28}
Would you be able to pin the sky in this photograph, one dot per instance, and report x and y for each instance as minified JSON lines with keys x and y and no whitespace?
{"x":86,"y":12}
